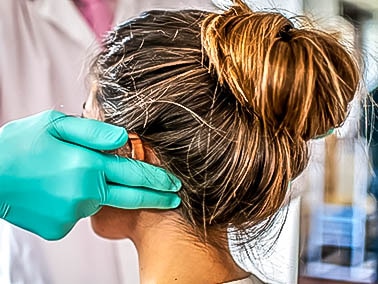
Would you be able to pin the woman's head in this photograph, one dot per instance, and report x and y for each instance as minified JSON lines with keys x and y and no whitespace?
{"x":226,"y":102}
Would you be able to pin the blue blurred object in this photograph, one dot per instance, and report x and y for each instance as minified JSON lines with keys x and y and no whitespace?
{"x":337,"y":245}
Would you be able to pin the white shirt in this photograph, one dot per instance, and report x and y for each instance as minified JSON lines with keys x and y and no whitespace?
{"x":249,"y":280}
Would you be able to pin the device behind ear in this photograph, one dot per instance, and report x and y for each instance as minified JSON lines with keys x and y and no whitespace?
{"x":136,"y":147}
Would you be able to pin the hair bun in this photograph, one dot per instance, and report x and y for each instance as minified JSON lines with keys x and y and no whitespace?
{"x":296,"y":80}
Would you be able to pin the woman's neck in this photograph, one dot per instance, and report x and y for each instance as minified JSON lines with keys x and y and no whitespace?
{"x":168,"y":254}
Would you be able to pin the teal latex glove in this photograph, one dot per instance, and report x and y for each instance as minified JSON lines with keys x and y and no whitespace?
{"x":48,"y":182}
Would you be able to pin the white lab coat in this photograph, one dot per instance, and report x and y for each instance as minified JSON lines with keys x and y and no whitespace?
{"x":43,"y":46}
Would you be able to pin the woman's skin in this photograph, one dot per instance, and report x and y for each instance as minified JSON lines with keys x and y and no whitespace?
{"x":167,"y":252}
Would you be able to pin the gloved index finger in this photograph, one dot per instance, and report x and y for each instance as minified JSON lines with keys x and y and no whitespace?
{"x":139,"y":174}
{"x":87,"y":132}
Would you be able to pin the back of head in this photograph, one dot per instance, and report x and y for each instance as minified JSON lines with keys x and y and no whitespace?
{"x":226,"y":102}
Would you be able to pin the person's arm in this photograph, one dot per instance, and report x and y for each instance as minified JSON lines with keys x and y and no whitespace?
{"x":52,"y":173}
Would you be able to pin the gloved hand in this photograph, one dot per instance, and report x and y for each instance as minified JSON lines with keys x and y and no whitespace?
{"x":50,"y":177}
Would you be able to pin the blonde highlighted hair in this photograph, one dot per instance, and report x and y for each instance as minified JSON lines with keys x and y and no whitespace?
{"x":227,"y":102}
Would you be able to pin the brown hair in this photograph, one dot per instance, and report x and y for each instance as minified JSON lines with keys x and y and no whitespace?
{"x":226,"y":102}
